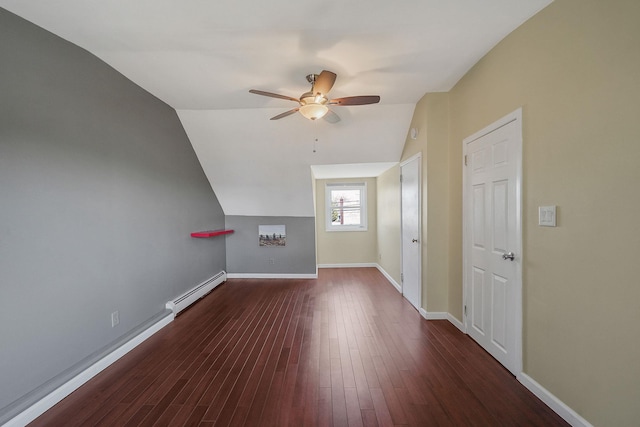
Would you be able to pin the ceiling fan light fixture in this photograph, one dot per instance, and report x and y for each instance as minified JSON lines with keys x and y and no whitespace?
{"x":313,"y":111}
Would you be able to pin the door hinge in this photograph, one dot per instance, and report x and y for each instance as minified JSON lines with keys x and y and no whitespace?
{"x":465,"y":160}
{"x":465,"y":310}
{"x":400,"y":177}
{"x":401,"y":277}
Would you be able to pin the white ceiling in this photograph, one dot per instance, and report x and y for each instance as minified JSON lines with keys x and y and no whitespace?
{"x":202,"y":57}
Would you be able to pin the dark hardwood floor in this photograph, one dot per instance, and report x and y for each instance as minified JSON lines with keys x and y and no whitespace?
{"x":345,"y":349}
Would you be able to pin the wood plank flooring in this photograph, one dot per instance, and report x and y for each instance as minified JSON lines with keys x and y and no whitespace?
{"x":343,"y":350}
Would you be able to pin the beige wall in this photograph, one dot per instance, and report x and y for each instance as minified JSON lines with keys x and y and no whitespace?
{"x":431,"y":119}
{"x":388,"y":211}
{"x":575,"y":70}
{"x":347,"y":247}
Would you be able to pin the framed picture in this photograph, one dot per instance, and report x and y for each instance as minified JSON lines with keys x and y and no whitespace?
{"x":272,"y":235}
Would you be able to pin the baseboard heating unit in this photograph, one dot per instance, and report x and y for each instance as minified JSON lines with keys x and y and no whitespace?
{"x":193,"y":295}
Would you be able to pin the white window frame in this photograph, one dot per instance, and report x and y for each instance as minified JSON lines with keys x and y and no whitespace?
{"x":360,"y":186}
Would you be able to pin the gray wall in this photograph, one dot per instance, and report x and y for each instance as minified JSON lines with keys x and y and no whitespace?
{"x":244,"y":255}
{"x":99,"y":190}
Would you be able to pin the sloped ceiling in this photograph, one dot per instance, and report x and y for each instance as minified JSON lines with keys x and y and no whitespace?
{"x":202,"y":57}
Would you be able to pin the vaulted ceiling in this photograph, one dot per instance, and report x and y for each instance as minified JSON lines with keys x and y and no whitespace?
{"x":202,"y":57}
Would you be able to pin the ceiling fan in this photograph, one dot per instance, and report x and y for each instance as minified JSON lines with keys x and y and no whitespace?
{"x":314,"y":104}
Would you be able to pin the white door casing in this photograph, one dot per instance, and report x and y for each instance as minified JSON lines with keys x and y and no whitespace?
{"x":411,"y":230}
{"x":492,"y":239}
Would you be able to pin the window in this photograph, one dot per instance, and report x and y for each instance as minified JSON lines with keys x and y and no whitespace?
{"x":346,"y":207}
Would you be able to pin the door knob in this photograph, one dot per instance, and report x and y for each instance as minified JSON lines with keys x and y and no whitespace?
{"x":509,"y":255}
{"x":415,"y":240}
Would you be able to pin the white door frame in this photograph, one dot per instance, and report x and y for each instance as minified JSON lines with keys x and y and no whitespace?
{"x":418,"y":157}
{"x":466,"y":220}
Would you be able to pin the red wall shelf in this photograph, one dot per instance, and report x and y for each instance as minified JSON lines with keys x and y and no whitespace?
{"x":210,"y":233}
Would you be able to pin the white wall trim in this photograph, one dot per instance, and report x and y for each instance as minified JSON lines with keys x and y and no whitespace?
{"x":441,"y":315}
{"x":365,"y":265}
{"x":558,"y":406}
{"x":349,"y":265}
{"x":47,"y":402}
{"x":433,"y":315}
{"x":270,"y":276}
{"x":458,"y":324}
{"x":389,"y":278}
{"x":412,"y":158}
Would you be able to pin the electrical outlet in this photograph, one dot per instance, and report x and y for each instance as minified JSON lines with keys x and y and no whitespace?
{"x":115,"y":318}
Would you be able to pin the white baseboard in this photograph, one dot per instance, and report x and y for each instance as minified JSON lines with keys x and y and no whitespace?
{"x":458,"y":324}
{"x":349,"y":265}
{"x":47,"y":402}
{"x":389,"y":278}
{"x":365,"y":265}
{"x":270,"y":276}
{"x":558,"y":406}
{"x":433,"y":315}
{"x":441,"y":315}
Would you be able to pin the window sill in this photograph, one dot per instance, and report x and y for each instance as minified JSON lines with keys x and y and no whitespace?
{"x":342,"y":230}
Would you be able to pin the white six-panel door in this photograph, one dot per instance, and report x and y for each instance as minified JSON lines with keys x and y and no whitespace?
{"x":492,"y":240}
{"x":411,"y":241}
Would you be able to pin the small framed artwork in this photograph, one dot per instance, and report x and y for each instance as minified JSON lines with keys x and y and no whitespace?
{"x":272,"y":235}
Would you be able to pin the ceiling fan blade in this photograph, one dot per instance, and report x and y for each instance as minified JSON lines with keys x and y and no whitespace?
{"x":285,"y":114}
{"x":324,"y":82}
{"x":356,"y":100}
{"x":274,"y":95}
{"x":331,"y":117}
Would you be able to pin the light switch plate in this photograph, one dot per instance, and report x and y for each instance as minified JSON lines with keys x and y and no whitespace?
{"x":547,"y":216}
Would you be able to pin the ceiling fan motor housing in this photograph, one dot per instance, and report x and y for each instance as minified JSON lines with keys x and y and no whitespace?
{"x":313,"y":98}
